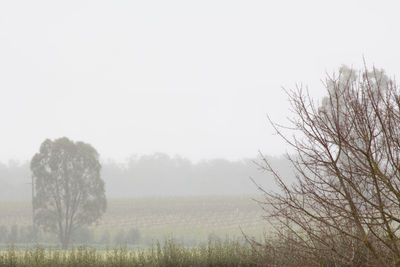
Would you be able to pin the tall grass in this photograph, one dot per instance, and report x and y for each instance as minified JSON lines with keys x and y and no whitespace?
{"x":169,"y":253}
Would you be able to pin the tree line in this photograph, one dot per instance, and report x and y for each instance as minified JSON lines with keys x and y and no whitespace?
{"x":173,"y":175}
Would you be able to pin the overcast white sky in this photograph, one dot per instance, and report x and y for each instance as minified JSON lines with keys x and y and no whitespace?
{"x":194,"y":78}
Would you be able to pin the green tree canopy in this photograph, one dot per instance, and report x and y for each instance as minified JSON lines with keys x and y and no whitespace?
{"x":69,"y":190}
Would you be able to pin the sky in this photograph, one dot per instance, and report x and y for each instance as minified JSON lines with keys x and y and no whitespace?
{"x":189,"y":78}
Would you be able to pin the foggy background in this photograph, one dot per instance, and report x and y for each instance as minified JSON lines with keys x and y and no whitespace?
{"x":159,"y":175}
{"x":184,"y":85}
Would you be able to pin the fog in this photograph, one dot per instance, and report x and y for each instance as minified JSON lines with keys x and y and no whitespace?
{"x":189,"y":78}
{"x":160,"y":175}
{"x":171,"y":100}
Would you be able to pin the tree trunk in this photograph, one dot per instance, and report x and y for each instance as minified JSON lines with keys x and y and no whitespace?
{"x":64,"y":242}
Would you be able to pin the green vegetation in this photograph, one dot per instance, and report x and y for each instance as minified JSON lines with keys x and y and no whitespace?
{"x":140,"y":222}
{"x":68,"y":192}
{"x":206,"y":232}
{"x":170,"y":253}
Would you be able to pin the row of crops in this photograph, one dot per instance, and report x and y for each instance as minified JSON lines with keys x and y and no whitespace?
{"x":140,"y":221}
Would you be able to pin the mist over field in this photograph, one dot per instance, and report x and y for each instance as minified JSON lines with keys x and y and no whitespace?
{"x":199,"y":133}
{"x":160,"y":175}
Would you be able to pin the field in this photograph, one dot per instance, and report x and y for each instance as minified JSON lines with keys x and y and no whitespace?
{"x":170,"y":253}
{"x":188,"y":219}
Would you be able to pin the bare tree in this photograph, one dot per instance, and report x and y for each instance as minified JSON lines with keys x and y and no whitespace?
{"x":344,"y":207}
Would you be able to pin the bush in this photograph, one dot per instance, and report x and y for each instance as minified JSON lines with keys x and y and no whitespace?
{"x":120,"y":237}
{"x":133,"y":236}
{"x":83,"y":235}
{"x":13,"y":234}
{"x":105,"y":238}
{"x":3,"y":234}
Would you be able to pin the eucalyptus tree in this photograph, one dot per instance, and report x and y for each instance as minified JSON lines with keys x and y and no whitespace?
{"x":69,"y":192}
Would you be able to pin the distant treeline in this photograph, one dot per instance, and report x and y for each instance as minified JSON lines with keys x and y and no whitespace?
{"x":158,"y":175}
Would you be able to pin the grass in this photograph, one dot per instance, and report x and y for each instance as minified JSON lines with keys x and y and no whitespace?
{"x":170,"y":253}
{"x":206,"y":232}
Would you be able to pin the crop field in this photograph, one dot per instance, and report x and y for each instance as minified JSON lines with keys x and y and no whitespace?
{"x":187,"y":219}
